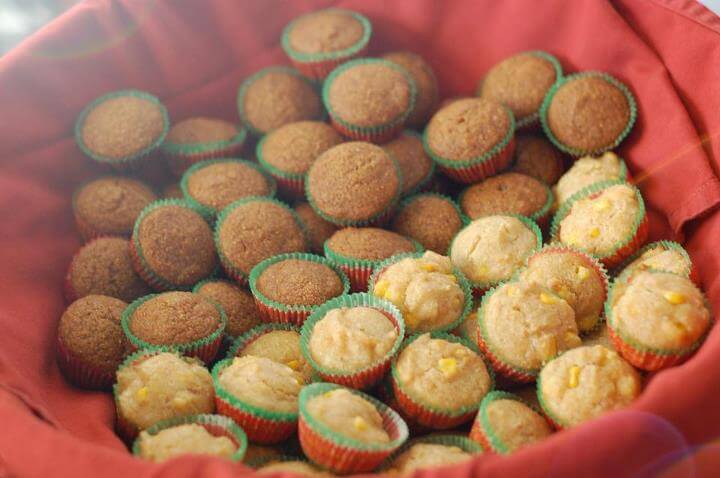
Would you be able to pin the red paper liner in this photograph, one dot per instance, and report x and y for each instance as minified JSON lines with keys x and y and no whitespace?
{"x":258,"y":429}
{"x":292,"y":187}
{"x":80,"y":373}
{"x":483,"y":169}
{"x":630,"y":248}
{"x":358,"y":275}
{"x":424,"y":416}
{"x":645,"y":360}
{"x":385,"y":393}
{"x":271,"y":314}
{"x":318,"y":70}
{"x":181,"y":162}
{"x":477,"y":434}
{"x":501,"y":368}
{"x":378,"y":136}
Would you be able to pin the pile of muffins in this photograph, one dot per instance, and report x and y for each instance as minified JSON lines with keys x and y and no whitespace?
{"x":385,"y":282}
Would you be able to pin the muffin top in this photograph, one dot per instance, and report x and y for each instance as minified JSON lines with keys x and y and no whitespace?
{"x":415,"y":165}
{"x":586,"y":171}
{"x":353,"y":182}
{"x":293,"y":148}
{"x":369,"y":243}
{"x":299,"y":282}
{"x":427,"y":455}
{"x":513,"y":424}
{"x":537,"y":157}
{"x":317,"y":228}
{"x":325,"y":31}
{"x":189,"y":438}
{"x":200,"y":130}
{"x":511,"y":193}
{"x":430,"y":219}
{"x":662,"y":255}
{"x":237,"y":303}
{"x":350,"y":415}
{"x":282,"y":346}
{"x":425,"y":84}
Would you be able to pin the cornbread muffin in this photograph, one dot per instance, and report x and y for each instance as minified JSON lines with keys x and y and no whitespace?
{"x":523,"y":326}
{"x":427,"y":455}
{"x":317,"y":228}
{"x":103,"y":267}
{"x":425,"y":84}
{"x":162,"y":385}
{"x":293,"y":466}
{"x":430,"y":219}
{"x":416,"y":167}
{"x":109,"y":206}
{"x":661,"y":255}
{"x":589,"y":170}
{"x":281,"y":346}
{"x":584,"y":383}
{"x":277,"y":96}
{"x":237,"y":303}
{"x":353,"y":183}
{"x":510,"y":193}
{"x":492,"y":248}
{"x":521,"y":82}
{"x":172,"y":191}
{"x":189,"y":438}
{"x":537,"y":157}
{"x":367,"y":243}
{"x":425,"y":288}
{"x":298,"y":282}
{"x":216,"y":183}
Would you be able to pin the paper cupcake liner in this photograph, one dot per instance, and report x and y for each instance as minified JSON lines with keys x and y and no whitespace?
{"x":205,"y":348}
{"x":370,"y":375}
{"x":690,"y":271}
{"x":261,"y":425}
{"x":242,"y":341}
{"x":80,"y":373}
{"x":216,"y":425}
{"x":273,"y":311}
{"x":461,"y":280}
{"x":341,"y":454}
{"x":133,"y":161}
{"x":385,"y":393}
{"x":182,"y":156}
{"x":465,"y":444}
{"x":632,"y":105}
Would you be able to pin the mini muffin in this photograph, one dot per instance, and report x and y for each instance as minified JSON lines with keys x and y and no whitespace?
{"x":354,"y":183}
{"x":537,"y":157}
{"x":606,"y":220}
{"x":430,"y":452}
{"x":416,"y":167}
{"x":155,"y":385}
{"x":657,"y":319}
{"x":588,"y":113}
{"x":439,"y":380}
{"x":237,"y":303}
{"x":172,"y":191}
{"x":295,"y":466}
{"x":269,"y":225}
{"x":277,"y":96}
{"x":172,"y":246}
{"x":522,"y":326}
{"x":505,"y":423}
{"x":318,"y":229}
{"x":91,"y":343}
{"x":428,"y":290}
{"x":425,"y":83}
{"x":122,"y":128}
{"x":109,"y":206}
{"x":491,"y":249}
{"x":188,"y":322}
{"x":214,"y":184}
{"x":589,"y":170}
{"x":358,"y":250}
{"x":471,"y":139}
{"x":431,"y":219}
{"x":369,"y":99}
{"x":521,"y":82}
{"x":576,"y":277}
{"x":510,"y":193}
{"x":585,"y":383}
{"x":319,"y":41}
{"x":103,"y":267}
{"x":666,"y":256}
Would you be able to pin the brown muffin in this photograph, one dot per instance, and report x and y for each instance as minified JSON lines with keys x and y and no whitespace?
{"x":276,"y":96}
{"x":430,"y":219}
{"x":416,"y":167}
{"x":537,"y":157}
{"x":318,"y":229}
{"x":325,"y":31}
{"x":172,"y":191}
{"x":509,"y":193}
{"x":238,"y":304}
{"x":201,"y":129}
{"x":290,"y":150}
{"x":103,"y":267}
{"x":110,"y":206}
{"x":353,"y":183}
{"x":425,"y":84}
{"x":299,"y":282}
{"x":369,"y":243}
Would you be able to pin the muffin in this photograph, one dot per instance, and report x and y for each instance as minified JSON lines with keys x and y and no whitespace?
{"x":430,"y":452}
{"x":288,"y":152}
{"x":237,"y":303}
{"x":214,"y":184}
{"x":122,"y":128}
{"x":103,"y":267}
{"x":471,"y":139}
{"x":585,"y":383}
{"x":537,"y":157}
{"x":521,"y":82}
{"x":318,"y":229}
{"x":425,"y":83}
{"x":319,"y":41}
{"x":90,"y":341}
{"x":666,"y":256}
{"x":369,"y":99}
{"x":588,"y":113}
{"x":294,"y":466}
{"x":277,"y":96}
{"x":268,"y":224}
{"x":430,"y":219}
{"x":587,"y":171}
{"x":109,"y":206}
{"x":416,"y":167}
{"x":354,"y":183}
{"x":172,"y":246}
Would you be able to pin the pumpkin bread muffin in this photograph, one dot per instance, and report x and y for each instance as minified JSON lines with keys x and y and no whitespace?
{"x":237,"y":303}
{"x":586,"y":171}
{"x":537,"y":157}
{"x":430,"y":219}
{"x":317,"y":228}
{"x":416,"y":167}
{"x":425,"y":84}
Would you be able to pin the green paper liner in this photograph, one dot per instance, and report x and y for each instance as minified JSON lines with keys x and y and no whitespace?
{"x":274,"y":311}
{"x":240,"y":343}
{"x":379,"y":133}
{"x":205,"y":348}
{"x":126,"y":162}
{"x":207,"y":210}
{"x":428,"y":415}
{"x":318,"y":65}
{"x":425,"y":183}
{"x":541,"y":216}
{"x":180,"y":157}
{"x":461,"y":280}
{"x":339,"y":453}
{"x":371,"y":374}
{"x":465,"y":444}
{"x":690,"y":272}
{"x":291,"y":184}
{"x":262,"y":426}
{"x":632,"y":105}
{"x":623,"y":249}
{"x":79,"y":372}
{"x":216,"y":425}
